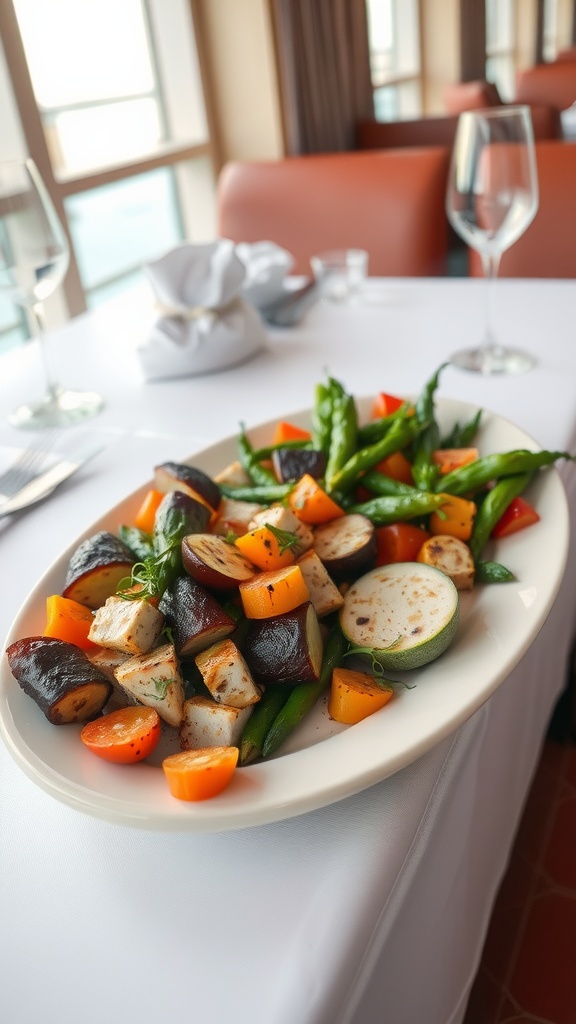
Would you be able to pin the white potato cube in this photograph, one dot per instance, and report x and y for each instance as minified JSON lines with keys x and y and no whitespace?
{"x":227,"y":675}
{"x":127,"y":625}
{"x":284,"y":519}
{"x":234,"y":516}
{"x":324,"y":593}
{"x":208,"y":724}
{"x":233,"y":474}
{"x":155,"y":679}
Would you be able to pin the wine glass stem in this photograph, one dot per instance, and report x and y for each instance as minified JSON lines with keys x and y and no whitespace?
{"x":490,"y":263}
{"x":39,"y":327}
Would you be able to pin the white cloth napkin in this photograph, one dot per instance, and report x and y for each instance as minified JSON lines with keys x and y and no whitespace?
{"x":206,"y":324}
{"x":267,"y":266}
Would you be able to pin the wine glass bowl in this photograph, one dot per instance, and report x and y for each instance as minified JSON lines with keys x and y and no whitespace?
{"x":491,"y":198}
{"x":34,"y":258}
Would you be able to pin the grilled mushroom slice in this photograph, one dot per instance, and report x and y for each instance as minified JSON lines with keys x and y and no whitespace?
{"x":347,"y":546}
{"x":214,"y":562}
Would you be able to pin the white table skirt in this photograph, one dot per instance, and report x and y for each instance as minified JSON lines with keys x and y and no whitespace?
{"x":372,"y":909}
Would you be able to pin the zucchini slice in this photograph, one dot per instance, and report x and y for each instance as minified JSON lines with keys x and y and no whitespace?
{"x":405,"y":614}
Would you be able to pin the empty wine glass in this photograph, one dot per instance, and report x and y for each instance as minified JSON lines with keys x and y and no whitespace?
{"x":34,"y":258}
{"x":491,"y":199}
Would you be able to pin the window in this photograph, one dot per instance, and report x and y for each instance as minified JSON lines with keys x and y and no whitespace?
{"x":393,"y":29}
{"x":115,"y":110}
{"x":500,"y":46}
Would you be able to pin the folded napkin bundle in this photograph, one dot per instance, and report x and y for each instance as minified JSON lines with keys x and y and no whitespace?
{"x":267,"y":266}
{"x":206,"y":323}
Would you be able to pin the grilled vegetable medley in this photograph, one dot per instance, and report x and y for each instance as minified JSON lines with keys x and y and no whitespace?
{"x":230,"y":605}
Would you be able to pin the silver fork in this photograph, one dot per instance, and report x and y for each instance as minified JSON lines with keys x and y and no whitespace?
{"x":27,"y":465}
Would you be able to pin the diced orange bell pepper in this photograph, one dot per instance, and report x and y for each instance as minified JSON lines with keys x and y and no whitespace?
{"x":519,"y":514}
{"x":385,"y":404}
{"x":397,"y":467}
{"x":263,"y":549}
{"x":355,"y":695}
{"x":146,"y":514}
{"x":399,"y":542}
{"x":309,"y":501}
{"x":273,"y":593}
{"x":455,"y":518}
{"x":289,"y":432}
{"x":69,"y":620}
{"x":448,"y":459}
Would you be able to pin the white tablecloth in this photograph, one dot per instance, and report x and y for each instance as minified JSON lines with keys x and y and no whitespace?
{"x":373,"y":909}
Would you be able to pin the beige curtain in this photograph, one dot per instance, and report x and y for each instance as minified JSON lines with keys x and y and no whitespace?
{"x":324,"y":64}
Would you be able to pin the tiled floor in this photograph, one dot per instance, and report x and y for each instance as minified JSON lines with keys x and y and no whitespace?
{"x":528,"y":969}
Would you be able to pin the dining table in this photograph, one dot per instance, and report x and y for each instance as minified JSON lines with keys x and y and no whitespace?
{"x":372,"y":907}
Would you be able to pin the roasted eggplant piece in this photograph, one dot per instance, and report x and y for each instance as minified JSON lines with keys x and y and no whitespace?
{"x":346,"y":546}
{"x":96,"y":568}
{"x":176,"y":476}
{"x":60,"y":678}
{"x":215,"y":562}
{"x":285,"y":648}
{"x":292,"y":463}
{"x":195,"y":618}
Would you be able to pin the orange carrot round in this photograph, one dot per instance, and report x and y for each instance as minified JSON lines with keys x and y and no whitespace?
{"x":69,"y":620}
{"x":200,"y":774}
{"x":124,"y":736}
{"x":272,"y":593}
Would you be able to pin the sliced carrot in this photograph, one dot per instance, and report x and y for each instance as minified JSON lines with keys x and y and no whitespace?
{"x":200,"y":774}
{"x":124,"y":736}
{"x":399,"y":542}
{"x":145,"y":515}
{"x":398,"y":467}
{"x":448,"y":459}
{"x":309,"y":501}
{"x":355,"y":695}
{"x":273,"y":593}
{"x":69,"y":620}
{"x":263,"y":549}
{"x":385,"y":404}
{"x":289,"y":432}
{"x":518,"y":515}
{"x":455,"y":518}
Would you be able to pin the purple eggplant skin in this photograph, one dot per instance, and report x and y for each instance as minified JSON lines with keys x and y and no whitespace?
{"x":292,"y":463}
{"x":194,"y":616}
{"x":177,"y":476}
{"x":60,"y":678}
{"x":96,"y":568}
{"x":285,"y":648}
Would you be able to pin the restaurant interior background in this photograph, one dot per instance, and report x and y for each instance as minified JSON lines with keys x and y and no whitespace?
{"x":130,"y":108}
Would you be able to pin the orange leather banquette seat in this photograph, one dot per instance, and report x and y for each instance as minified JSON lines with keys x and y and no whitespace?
{"x":548,"y":246}
{"x":553,"y":84}
{"x":440,"y":131}
{"x":390,"y":203}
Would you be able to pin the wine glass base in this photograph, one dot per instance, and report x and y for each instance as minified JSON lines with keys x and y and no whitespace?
{"x":492,"y":361}
{"x":59,"y":409}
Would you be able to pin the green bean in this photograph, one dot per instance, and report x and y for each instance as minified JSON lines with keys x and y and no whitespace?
{"x":381,"y":483}
{"x":462,"y":436}
{"x":265,"y":453}
{"x":261,"y":719}
{"x":401,"y":433}
{"x":344,"y":430}
{"x":257,"y":474}
{"x":372,"y":431}
{"x":424,"y":407}
{"x":305,"y":695}
{"x":259,"y":493}
{"x":493,"y":572}
{"x":389,"y":508}
{"x":493,"y":507}
{"x":492,"y":467}
{"x":322,"y":417}
{"x":425,"y":472}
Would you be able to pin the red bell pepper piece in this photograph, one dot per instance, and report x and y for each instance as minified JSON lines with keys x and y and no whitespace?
{"x":518,"y":515}
{"x":385,"y":404}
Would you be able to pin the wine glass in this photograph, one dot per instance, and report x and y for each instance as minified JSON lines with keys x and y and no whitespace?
{"x":34,"y":258}
{"x":492,"y":197}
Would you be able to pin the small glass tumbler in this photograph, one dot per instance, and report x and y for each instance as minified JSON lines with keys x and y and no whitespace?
{"x":341,"y":273}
